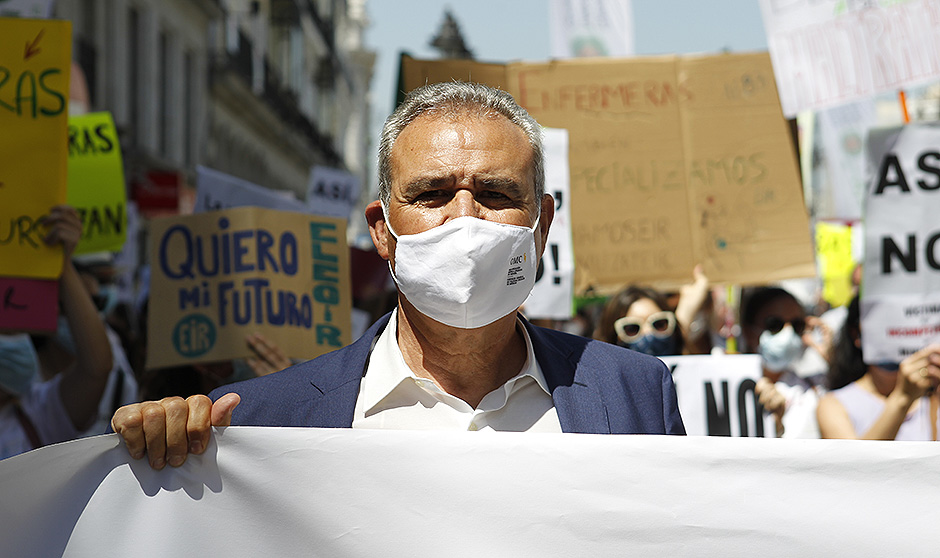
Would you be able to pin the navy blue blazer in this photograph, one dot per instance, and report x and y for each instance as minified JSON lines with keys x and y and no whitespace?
{"x":597,"y":387}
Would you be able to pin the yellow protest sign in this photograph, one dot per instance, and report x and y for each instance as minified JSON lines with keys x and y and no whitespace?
{"x":834,"y":253}
{"x":219,"y":276}
{"x":674,"y":161}
{"x":96,"y":182}
{"x":35,"y":58}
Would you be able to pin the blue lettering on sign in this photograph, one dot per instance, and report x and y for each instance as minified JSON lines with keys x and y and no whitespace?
{"x":183,"y":254}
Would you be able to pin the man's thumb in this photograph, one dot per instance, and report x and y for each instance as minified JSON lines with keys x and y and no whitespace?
{"x":222,"y":409}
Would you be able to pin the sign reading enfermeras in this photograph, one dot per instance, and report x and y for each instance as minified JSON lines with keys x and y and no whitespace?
{"x":221,"y":275}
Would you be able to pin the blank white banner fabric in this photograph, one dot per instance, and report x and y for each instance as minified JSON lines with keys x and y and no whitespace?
{"x":315,"y":492}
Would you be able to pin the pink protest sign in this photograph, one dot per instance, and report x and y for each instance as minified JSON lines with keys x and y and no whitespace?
{"x":28,"y":304}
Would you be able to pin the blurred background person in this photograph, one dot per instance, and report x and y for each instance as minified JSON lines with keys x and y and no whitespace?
{"x":640,"y":318}
{"x":883,"y":401}
{"x":775,"y":326}
{"x":35,"y":413}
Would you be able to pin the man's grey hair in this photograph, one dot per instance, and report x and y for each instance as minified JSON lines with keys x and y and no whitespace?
{"x":455,"y":98}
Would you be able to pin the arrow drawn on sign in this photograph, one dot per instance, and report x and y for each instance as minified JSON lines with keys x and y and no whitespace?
{"x":32,"y":48}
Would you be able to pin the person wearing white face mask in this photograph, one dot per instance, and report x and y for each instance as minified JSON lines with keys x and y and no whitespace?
{"x":462,"y":219}
{"x":776,"y":327}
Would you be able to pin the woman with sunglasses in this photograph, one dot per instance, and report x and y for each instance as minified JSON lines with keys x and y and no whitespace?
{"x":775,"y":326}
{"x":639,"y":318}
{"x":882,"y":401}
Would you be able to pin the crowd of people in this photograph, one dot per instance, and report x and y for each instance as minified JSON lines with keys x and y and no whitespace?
{"x":456,"y":161}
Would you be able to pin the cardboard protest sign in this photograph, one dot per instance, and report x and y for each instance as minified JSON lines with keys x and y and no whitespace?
{"x":673,"y":161}
{"x":332,"y":192}
{"x":28,"y":304}
{"x":553,"y":294}
{"x":216,"y":190}
{"x":830,"y":52}
{"x":900,"y":303}
{"x":717,"y":397}
{"x":35,"y":58}
{"x":218,"y":276}
{"x":96,"y":182}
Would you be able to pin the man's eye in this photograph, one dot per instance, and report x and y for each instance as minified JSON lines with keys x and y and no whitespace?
{"x":430,"y":195}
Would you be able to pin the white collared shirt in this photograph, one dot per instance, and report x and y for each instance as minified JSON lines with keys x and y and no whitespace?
{"x":391,"y":396}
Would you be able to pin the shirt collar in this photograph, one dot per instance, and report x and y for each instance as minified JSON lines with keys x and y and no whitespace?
{"x":387,"y":369}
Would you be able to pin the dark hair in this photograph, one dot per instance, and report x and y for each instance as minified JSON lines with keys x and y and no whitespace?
{"x":846,"y":364}
{"x":617,"y":306}
{"x":758,"y":299}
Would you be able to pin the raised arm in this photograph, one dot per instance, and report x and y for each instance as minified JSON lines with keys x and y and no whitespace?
{"x":83,"y":382}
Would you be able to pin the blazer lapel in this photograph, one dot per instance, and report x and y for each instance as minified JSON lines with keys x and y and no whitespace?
{"x":579,"y":406}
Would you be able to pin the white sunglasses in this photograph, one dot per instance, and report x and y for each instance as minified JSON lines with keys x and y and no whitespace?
{"x":628,"y":329}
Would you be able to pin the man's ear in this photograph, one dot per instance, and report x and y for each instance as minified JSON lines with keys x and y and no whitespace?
{"x":376,"y":219}
{"x":545,"y":221}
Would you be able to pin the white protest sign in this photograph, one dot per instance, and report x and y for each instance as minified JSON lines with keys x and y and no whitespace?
{"x":339,"y":492}
{"x":829,"y":52}
{"x":553,"y":293}
{"x":216,"y":190}
{"x":842,"y":132}
{"x":716,"y":395}
{"x":900,"y":303}
{"x":332,"y":192}
{"x":581,"y":28}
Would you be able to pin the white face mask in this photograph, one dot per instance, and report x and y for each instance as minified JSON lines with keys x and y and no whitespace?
{"x":468,"y":272}
{"x":781,"y":350}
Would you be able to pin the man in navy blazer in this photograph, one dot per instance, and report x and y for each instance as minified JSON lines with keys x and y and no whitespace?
{"x":463,"y":218}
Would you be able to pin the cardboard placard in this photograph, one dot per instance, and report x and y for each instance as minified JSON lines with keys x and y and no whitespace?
{"x":900,"y":302}
{"x":96,"y":182}
{"x":831,"y":52}
{"x":674,"y":161}
{"x":218,"y":276}
{"x":35,"y":59}
{"x":717,"y":396}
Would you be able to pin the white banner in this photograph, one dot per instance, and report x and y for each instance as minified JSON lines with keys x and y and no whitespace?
{"x":216,"y":190}
{"x":842,"y":132}
{"x":310,"y":492}
{"x":553,"y":294}
{"x":829,"y":52}
{"x":332,"y":192}
{"x":582,"y":28}
{"x":900,"y":304}
{"x":716,"y":395}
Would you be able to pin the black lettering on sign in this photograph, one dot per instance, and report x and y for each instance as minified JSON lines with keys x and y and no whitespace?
{"x":97,"y":221}
{"x":743,"y":389}
{"x":717,"y":422}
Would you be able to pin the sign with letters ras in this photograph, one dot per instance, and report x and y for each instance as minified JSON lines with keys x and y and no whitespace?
{"x":35,"y":58}
{"x":717,"y":397}
{"x":900,"y":304}
{"x":96,"y":182}
{"x":220,"y":275}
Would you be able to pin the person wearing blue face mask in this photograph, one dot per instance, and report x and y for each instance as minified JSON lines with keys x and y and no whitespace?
{"x":639,"y":318}
{"x":34,"y":413}
{"x":879,"y":401}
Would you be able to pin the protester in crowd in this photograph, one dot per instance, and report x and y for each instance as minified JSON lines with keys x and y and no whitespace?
{"x":775,"y":326}
{"x":33,"y":413}
{"x":57,"y":352}
{"x":882,"y":401}
{"x":463,"y":220}
{"x":639,"y":318}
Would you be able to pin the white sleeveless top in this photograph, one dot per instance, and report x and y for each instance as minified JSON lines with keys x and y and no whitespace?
{"x":865,"y":407}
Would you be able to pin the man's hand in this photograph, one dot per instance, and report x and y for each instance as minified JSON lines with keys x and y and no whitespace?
{"x":169,"y":429}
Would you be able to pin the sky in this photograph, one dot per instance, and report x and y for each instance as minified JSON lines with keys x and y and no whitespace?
{"x":507,"y":30}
